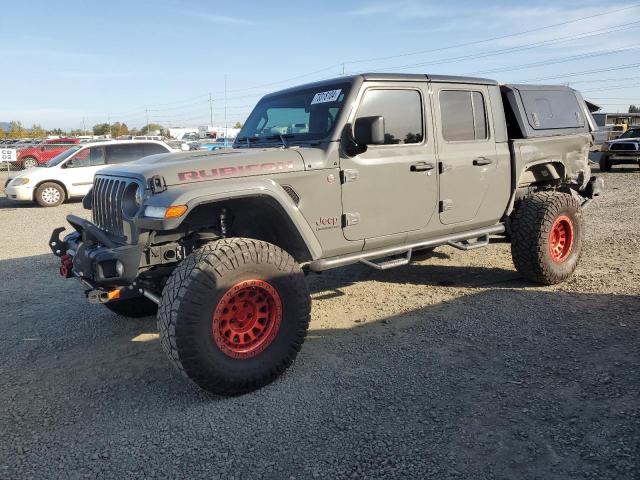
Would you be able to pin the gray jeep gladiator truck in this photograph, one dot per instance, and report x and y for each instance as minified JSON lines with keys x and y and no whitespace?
{"x":368,"y":168}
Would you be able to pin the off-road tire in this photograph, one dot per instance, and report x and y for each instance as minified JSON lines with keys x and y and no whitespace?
{"x":605,"y":163}
{"x":193,"y":295}
{"x":45,"y":197}
{"x":531,"y":236}
{"x":133,"y":307}
{"x":29,"y":162}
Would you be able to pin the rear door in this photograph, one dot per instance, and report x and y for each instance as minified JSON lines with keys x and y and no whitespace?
{"x":391,"y":188}
{"x":467,"y":159}
{"x":129,"y":152}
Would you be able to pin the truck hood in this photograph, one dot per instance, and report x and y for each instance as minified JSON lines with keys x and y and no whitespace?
{"x":625,"y":140}
{"x":187,"y":167}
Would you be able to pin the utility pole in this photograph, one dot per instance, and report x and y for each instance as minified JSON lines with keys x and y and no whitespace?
{"x":84,"y":127}
{"x":109,"y":123}
{"x":343,"y":69}
{"x":146,"y":111}
{"x":225,"y":106}
{"x":210,"y":110}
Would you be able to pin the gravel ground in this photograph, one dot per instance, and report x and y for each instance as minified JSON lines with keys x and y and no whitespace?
{"x":451,"y":367}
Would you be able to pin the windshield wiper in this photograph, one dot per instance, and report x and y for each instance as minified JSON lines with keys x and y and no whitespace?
{"x":283,"y":138}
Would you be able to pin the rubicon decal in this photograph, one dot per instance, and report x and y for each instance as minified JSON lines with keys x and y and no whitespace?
{"x":236,"y":170}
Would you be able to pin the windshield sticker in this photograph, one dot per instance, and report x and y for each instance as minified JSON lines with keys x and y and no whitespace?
{"x":326,"y":97}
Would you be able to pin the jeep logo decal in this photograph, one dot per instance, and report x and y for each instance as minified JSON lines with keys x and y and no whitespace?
{"x":325,"y":223}
{"x":230,"y":171}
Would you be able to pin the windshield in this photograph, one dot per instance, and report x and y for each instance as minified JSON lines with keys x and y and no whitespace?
{"x":62,"y":156}
{"x":298,"y":116}
{"x":633,"y":133}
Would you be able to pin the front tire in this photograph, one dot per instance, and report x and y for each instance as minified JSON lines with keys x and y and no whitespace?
{"x":49,"y":194}
{"x":546,"y":237}
{"x":133,"y":307}
{"x":234,"y":315}
{"x":605,"y":163}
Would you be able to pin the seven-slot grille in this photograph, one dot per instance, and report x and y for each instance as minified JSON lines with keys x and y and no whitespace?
{"x":107,"y":204}
{"x":624,"y":146}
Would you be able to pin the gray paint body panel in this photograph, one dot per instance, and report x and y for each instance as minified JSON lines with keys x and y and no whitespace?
{"x":395,"y":207}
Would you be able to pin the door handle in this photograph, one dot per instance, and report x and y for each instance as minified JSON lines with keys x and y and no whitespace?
{"x":482,"y":161}
{"x":422,"y":167}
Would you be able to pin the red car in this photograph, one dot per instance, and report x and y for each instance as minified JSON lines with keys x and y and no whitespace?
{"x":40,"y":154}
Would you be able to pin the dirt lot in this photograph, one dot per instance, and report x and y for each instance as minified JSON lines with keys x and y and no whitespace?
{"x":452,"y":367}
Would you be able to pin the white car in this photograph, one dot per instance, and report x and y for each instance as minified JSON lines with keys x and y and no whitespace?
{"x":70,"y":174}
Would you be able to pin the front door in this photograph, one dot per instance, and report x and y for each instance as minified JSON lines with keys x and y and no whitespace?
{"x":81,"y":168}
{"x":467,"y":156}
{"x":391,"y":188}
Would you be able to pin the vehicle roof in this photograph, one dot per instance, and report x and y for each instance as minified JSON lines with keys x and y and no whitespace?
{"x":393,"y":77}
{"x":122,"y":142}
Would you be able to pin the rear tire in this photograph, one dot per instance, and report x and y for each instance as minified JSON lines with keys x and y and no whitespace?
{"x":546,"y":237}
{"x":605,"y":164}
{"x":133,"y":307}
{"x":234,"y":315}
{"x":49,"y":194}
{"x":29,"y":162}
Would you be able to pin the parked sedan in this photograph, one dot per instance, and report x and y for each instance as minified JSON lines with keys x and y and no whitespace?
{"x":70,"y":173}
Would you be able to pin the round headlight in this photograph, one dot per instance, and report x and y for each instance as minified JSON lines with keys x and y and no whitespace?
{"x":132,"y":199}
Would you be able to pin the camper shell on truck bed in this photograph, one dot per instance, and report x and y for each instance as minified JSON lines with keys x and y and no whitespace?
{"x":370,"y":168}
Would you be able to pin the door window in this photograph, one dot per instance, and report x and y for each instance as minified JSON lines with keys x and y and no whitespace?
{"x":402,"y":112}
{"x":125,"y":153}
{"x":153,"y":148}
{"x":464,"y":116}
{"x":88,"y":157}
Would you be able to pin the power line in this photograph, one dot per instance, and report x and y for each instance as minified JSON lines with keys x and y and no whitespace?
{"x":491,"y":39}
{"x":528,"y":46}
{"x":575,"y":74}
{"x":597,"y":53}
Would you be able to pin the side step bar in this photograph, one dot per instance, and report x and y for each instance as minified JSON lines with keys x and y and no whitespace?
{"x":482,"y":241}
{"x":456,"y":240}
{"x":386,"y":265}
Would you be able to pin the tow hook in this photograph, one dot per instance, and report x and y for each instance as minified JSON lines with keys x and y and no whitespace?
{"x":66,"y":266}
{"x":103,"y":296}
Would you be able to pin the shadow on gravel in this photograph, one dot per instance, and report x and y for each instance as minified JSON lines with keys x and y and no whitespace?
{"x":6,"y":204}
{"x":328,"y":284}
{"x":505,"y":383}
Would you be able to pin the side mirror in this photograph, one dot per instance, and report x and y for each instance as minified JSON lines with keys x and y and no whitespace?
{"x":369,"y":131}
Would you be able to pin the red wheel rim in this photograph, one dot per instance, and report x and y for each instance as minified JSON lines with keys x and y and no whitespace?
{"x":561,"y":239}
{"x":247,"y":319}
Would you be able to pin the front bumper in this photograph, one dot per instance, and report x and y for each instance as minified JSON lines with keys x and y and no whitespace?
{"x":622,"y":156}
{"x":94,"y":257}
{"x":20,"y":193}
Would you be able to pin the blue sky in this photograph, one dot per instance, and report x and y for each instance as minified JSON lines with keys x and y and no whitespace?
{"x":92,"y":60}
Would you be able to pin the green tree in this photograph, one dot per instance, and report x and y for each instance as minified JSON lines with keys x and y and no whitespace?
{"x":118,"y":129}
{"x":36,"y":131}
{"x":56,"y":131}
{"x":101,"y":129}
{"x":237,"y":125}
{"x":16,"y":130}
{"x":634,"y":109}
{"x":152,"y":127}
